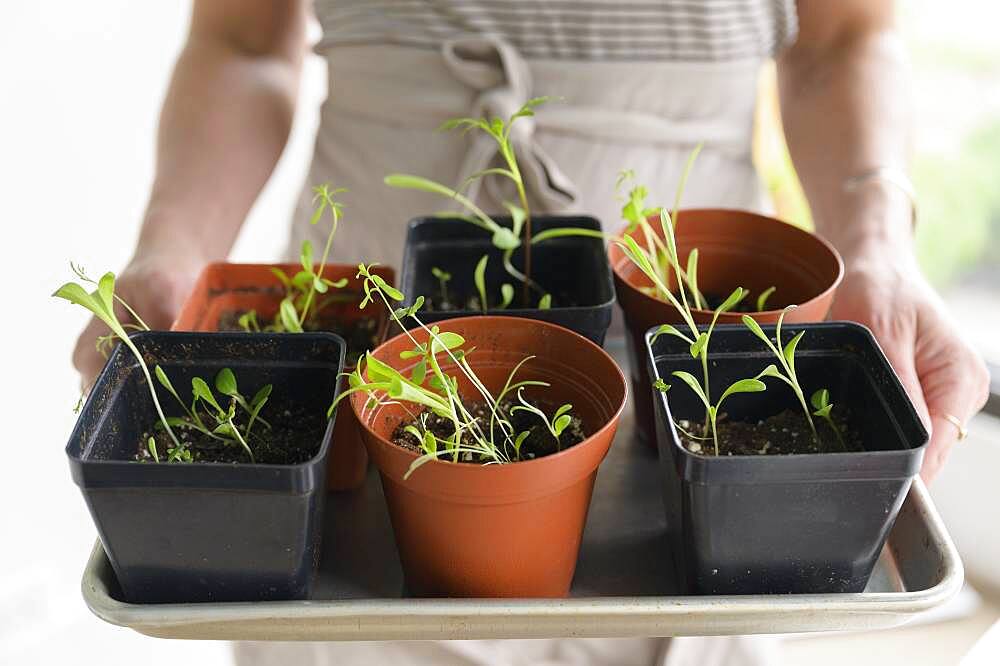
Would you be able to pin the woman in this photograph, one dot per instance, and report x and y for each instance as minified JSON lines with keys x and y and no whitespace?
{"x":639,"y":83}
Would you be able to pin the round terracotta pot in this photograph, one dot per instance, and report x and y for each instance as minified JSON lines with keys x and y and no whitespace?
{"x":735,"y":249}
{"x":224,"y":288}
{"x":469,"y":530}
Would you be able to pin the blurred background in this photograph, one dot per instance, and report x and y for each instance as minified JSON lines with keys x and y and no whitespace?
{"x":82,"y":84}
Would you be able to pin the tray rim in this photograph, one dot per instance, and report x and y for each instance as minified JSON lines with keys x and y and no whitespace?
{"x":604,"y":616}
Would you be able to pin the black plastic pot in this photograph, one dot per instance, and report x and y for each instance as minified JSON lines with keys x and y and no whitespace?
{"x":574,"y":269}
{"x":207,"y":531}
{"x":810,"y":523}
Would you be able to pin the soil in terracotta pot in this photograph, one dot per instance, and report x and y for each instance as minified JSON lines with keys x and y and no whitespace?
{"x":361,"y":335}
{"x":781,"y":434}
{"x":294,"y":437}
{"x":539,"y":442}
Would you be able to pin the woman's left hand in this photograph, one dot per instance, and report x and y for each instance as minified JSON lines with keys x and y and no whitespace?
{"x":943,"y":375}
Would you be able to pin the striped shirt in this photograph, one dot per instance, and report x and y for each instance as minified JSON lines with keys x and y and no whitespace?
{"x":608,"y":30}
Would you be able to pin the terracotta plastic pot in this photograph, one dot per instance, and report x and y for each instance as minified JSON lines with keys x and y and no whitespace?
{"x":224,"y":290}
{"x":735,"y":249}
{"x":467,"y":530}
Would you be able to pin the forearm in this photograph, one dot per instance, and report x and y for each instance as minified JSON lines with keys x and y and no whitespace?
{"x":846,"y":111}
{"x":225,"y":121}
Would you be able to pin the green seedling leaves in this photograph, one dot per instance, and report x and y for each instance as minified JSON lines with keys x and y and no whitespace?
{"x":518,"y":216}
{"x":400,"y":313}
{"x":821,"y":403}
{"x":506,"y":295}
{"x":225,"y":383}
{"x":504,"y":239}
{"x":667,"y":329}
{"x":306,"y":257}
{"x":201,"y":391}
{"x":563,"y":232}
{"x":419,"y":372}
{"x":441,"y":275}
{"x":386,"y":288}
{"x":289,"y":316}
{"x":789,"y":351}
{"x":446,"y":340}
{"x":151,"y":445}
{"x":733,"y":300}
{"x":743,"y":386}
{"x":752,"y":324}
{"x":519,"y":440}
{"x":479,"y":278}
{"x":661,"y":385}
{"x":545,"y":302}
{"x":690,"y":380}
{"x":762,"y":299}
{"x":282,"y":277}
{"x":698,"y":346}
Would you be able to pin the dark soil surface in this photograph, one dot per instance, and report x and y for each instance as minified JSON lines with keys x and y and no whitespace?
{"x":361,"y":335}
{"x":539,"y":443}
{"x":781,"y":434}
{"x":294,"y":437}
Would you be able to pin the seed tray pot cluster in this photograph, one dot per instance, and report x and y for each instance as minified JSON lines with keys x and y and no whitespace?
{"x":573,"y":268}
{"x":226,"y":290}
{"x":624,"y":584}
{"x":798,"y":523}
{"x":207,"y":532}
{"x":735,"y":248}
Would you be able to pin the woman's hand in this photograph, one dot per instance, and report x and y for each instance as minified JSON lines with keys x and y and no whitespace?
{"x":155,"y":284}
{"x":941,"y":372}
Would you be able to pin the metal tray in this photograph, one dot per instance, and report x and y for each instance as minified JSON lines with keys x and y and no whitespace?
{"x":623,"y":585}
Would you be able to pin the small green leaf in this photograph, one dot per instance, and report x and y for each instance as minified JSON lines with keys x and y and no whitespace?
{"x":690,"y":380}
{"x":225,"y":383}
{"x":419,"y":372}
{"x":561,"y":423}
{"x":506,"y":294}
{"x":479,"y":279}
{"x":823,"y":412}
{"x":151,"y":445}
{"x":750,"y":323}
{"x":319,"y":285}
{"x":667,"y":329}
{"x":224,"y":429}
{"x":441,"y":275}
{"x":289,"y":316}
{"x":261,"y":395}
{"x":743,"y":386}
{"x":661,"y":385}
{"x":449,"y":340}
{"x":306,"y":256}
{"x":562,"y":410}
{"x":336,"y":284}
{"x":161,"y":376}
{"x":733,"y":300}
{"x":699,"y":345}
{"x":201,"y":391}
{"x":762,"y":299}
{"x":545,"y":302}
{"x":519,"y":440}
{"x":505,"y":239}
{"x":789,"y":351}
{"x":517,"y":216}
{"x":820,"y":399}
{"x":389,"y":290}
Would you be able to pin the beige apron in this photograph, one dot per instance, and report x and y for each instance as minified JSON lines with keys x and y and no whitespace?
{"x":383,"y":106}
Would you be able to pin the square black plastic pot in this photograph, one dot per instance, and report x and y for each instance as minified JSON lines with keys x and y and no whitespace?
{"x":574,"y":269}
{"x":809,"y":523}
{"x":190,"y":532}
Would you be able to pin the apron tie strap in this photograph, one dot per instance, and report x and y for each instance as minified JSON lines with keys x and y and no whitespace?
{"x":502,"y":79}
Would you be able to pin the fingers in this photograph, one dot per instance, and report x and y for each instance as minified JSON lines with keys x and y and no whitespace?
{"x":86,"y":359}
{"x":900,"y":352}
{"x":957,"y":388}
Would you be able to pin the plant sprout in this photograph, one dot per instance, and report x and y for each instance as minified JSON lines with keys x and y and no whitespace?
{"x":762,"y":299}
{"x":101,"y":303}
{"x":820,"y":401}
{"x":479,"y":279}
{"x":442,"y":277}
{"x":753,"y":385}
{"x":431,"y":388}
{"x":556,"y":425}
{"x":785,"y":353}
{"x":302,"y":287}
{"x":504,"y":239}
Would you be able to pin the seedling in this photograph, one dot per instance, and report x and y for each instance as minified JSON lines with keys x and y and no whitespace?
{"x":785,"y":353}
{"x":479,"y":279}
{"x":762,"y":299}
{"x":820,"y":401}
{"x":442,"y":277}
{"x":301,"y":289}
{"x":504,"y":239}
{"x":753,"y":385}
{"x":556,"y":425}
{"x":221,"y":426}
{"x":429,"y":387}
{"x":101,"y":303}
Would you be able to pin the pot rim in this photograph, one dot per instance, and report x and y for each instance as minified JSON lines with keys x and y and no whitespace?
{"x":197,"y":469}
{"x":617,"y":259}
{"x":791,"y":460}
{"x":471,"y":468}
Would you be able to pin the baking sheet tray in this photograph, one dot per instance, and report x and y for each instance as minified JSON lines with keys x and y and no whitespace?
{"x":623,"y":585}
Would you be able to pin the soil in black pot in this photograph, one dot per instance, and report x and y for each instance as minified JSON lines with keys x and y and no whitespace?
{"x":784,"y":433}
{"x":539,"y":442}
{"x":294,"y":436}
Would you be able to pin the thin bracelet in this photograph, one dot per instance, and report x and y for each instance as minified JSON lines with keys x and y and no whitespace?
{"x":891,"y":176}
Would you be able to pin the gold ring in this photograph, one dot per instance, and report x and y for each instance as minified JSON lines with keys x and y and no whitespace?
{"x":963,"y":432}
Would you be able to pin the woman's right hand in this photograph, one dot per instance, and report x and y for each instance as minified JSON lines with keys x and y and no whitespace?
{"x":155,"y":285}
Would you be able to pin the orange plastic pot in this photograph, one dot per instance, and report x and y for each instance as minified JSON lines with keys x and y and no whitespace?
{"x":224,"y":290}
{"x":735,"y":249}
{"x":468,"y":530}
